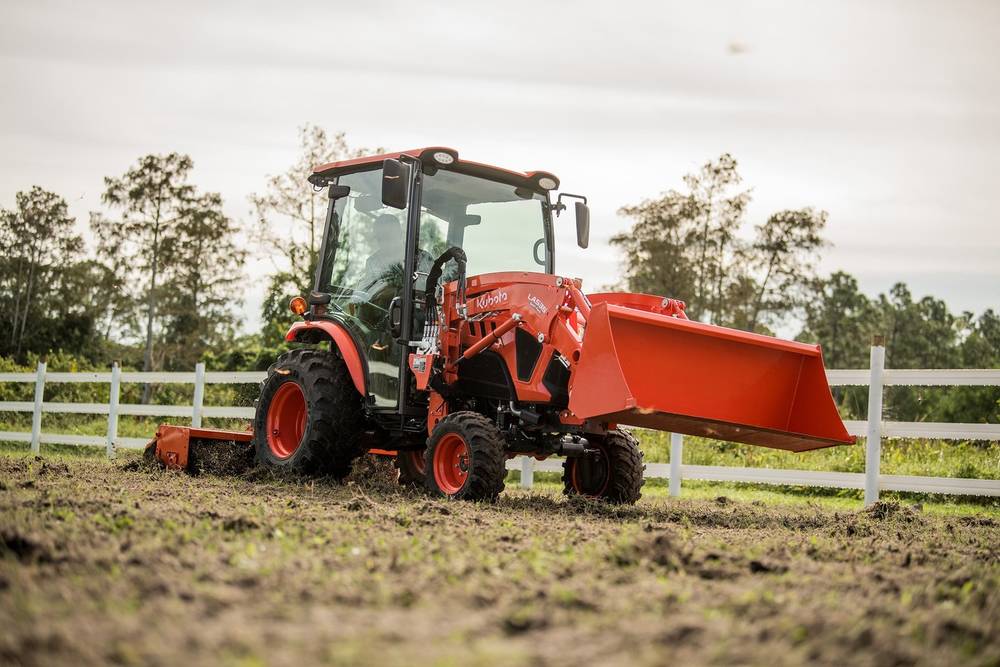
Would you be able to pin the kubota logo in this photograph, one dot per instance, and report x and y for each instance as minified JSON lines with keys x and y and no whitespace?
{"x":492,"y":299}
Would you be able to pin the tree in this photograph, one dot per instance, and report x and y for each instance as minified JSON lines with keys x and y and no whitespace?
{"x":684,"y":244}
{"x":656,"y":250}
{"x":918,"y":334}
{"x":206,"y":266}
{"x":785,"y":253}
{"x":290,"y":215}
{"x":38,"y":244}
{"x":687,"y":245}
{"x":980,"y":348}
{"x":718,"y":215}
{"x":93,"y":287}
{"x":842,"y":319}
{"x":172,"y":246}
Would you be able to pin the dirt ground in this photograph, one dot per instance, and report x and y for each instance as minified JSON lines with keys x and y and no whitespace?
{"x":118,"y":563}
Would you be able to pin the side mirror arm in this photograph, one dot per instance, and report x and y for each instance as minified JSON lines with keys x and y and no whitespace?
{"x":582,"y":216}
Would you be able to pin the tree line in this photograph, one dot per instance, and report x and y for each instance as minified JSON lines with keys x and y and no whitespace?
{"x":161,"y":285}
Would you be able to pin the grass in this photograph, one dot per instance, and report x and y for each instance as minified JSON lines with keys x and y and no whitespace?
{"x":934,"y":458}
{"x":829,"y":498}
{"x":128,"y":426}
{"x":113,"y":562}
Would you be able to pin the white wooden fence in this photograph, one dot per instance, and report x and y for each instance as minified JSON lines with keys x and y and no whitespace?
{"x":876,"y":378}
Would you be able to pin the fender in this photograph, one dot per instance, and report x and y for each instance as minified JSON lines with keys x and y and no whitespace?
{"x":344,"y":342}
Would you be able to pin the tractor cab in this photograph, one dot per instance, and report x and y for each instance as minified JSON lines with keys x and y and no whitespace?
{"x":391,"y":216}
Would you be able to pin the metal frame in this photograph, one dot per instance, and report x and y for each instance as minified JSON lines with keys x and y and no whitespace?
{"x":404,"y":404}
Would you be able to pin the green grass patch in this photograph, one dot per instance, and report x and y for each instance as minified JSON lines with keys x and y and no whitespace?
{"x":128,"y":426}
{"x":931,"y":458}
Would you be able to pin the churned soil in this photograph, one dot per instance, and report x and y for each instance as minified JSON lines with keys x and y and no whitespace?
{"x":123,"y":563}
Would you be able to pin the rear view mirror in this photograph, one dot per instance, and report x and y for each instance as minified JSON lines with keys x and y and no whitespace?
{"x":582,"y":225}
{"x":395,"y":183}
{"x":338,"y":191}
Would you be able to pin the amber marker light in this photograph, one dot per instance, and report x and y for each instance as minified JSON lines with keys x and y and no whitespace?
{"x":298,"y":305}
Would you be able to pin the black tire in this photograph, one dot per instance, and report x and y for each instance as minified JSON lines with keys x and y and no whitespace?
{"x":411,"y":466}
{"x":482,"y":468}
{"x":331,"y":435}
{"x":613,"y":475}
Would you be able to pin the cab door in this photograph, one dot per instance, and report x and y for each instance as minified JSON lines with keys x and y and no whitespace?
{"x":363,"y":271}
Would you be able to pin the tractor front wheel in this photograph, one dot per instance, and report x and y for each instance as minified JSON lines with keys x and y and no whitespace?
{"x":465,"y":458}
{"x":309,"y":417}
{"x":612,"y":473}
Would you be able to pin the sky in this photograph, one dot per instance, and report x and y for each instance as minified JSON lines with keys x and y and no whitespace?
{"x":884,"y":114}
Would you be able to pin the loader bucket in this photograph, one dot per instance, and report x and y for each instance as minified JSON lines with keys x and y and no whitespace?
{"x":654,"y":371}
{"x":201,"y":449}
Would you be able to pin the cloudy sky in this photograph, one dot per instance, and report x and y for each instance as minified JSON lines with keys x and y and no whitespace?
{"x":885,"y":114}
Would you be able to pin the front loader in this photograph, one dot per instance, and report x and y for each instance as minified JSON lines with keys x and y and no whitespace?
{"x":438,"y":332}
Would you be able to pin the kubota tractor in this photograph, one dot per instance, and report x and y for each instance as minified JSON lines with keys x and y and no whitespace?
{"x":442,"y":335}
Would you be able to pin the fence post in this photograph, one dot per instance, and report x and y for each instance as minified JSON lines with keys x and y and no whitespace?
{"x":116,"y":381}
{"x":676,"y":453}
{"x":873,"y":436}
{"x":36,"y":416}
{"x":527,"y":472}
{"x":199,"y":394}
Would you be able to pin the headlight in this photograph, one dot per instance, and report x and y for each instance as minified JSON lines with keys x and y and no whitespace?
{"x":298,"y":305}
{"x":546,"y":183}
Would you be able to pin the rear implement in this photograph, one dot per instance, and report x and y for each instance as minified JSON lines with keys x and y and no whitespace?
{"x":200,"y":449}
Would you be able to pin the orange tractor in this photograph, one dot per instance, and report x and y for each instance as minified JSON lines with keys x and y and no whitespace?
{"x":442,"y":335}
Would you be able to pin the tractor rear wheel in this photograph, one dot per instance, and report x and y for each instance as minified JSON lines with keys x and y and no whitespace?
{"x":411,"y":467}
{"x":309,"y":416}
{"x":465,"y":458}
{"x":613,"y":474}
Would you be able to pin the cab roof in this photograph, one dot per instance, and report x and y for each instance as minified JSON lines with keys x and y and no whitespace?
{"x":325,"y":172}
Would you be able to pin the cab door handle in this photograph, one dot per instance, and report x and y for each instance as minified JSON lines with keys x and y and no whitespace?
{"x":395,"y":316}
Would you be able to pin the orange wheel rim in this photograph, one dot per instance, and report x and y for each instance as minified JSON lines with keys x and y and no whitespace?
{"x":591,"y":475}
{"x":451,"y":463}
{"x":286,"y":420}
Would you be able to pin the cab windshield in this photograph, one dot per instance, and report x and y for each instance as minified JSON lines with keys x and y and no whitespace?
{"x":500,"y":227}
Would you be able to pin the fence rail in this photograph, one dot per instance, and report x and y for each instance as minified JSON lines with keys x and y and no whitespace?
{"x":876,"y":378}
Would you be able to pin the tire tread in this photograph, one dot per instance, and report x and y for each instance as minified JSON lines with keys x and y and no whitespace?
{"x":336,"y":422}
